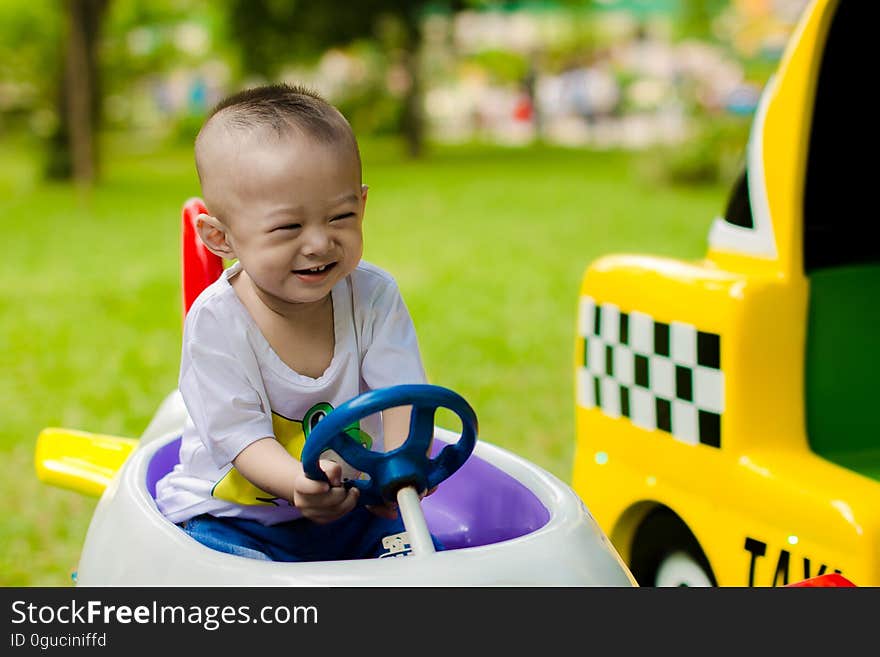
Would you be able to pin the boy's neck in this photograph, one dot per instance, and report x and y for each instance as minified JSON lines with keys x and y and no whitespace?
{"x":301,"y":335}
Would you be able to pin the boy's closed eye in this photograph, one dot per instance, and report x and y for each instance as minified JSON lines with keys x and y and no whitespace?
{"x":297,"y":226}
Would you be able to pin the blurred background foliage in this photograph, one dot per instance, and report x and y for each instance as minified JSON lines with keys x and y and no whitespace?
{"x":679,"y":75}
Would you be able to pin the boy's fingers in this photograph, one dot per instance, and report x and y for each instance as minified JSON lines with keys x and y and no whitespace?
{"x":307,"y":486}
{"x":333,"y":471}
{"x":337,"y":507}
{"x":351,"y":499}
{"x":343,"y":501}
{"x":327,"y":498}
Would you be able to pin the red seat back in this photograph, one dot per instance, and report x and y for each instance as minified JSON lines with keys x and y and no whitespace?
{"x":199,"y":267}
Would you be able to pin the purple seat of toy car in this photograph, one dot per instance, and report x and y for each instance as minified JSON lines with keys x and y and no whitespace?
{"x":479,"y":505}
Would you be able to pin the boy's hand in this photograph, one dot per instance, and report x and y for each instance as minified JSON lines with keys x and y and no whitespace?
{"x":322,"y":502}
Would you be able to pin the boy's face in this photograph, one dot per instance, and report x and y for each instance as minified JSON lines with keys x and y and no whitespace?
{"x":293,"y":215}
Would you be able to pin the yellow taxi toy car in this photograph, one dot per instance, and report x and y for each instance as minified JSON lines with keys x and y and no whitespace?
{"x":728,"y":430}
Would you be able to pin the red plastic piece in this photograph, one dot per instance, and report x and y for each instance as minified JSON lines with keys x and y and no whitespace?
{"x":821,"y":581}
{"x":199,"y":266}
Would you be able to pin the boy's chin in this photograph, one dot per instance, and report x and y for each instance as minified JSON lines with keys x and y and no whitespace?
{"x":306,"y":300}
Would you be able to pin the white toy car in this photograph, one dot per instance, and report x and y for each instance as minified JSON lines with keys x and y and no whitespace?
{"x":504,"y":521}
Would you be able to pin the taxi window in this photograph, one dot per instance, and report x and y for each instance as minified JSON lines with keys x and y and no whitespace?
{"x":838,"y":213}
{"x":739,"y":210}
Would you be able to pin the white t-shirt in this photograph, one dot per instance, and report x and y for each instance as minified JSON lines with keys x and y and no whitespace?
{"x":237,"y":390}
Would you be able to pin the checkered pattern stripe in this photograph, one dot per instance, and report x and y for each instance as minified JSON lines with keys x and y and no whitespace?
{"x":664,"y":376}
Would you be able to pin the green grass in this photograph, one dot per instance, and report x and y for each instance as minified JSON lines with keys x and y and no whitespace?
{"x":488,"y":245}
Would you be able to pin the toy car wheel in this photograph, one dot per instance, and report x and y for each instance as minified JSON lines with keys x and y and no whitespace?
{"x":681,"y":569}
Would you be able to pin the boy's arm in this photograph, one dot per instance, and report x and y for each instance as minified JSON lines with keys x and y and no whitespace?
{"x":395,"y":423}
{"x":267,"y":465}
{"x":218,"y":369}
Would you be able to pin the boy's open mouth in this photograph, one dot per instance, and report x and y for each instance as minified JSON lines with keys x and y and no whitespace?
{"x":315,"y":271}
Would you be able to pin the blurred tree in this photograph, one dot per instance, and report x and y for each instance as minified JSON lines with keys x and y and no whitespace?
{"x":73,"y":152}
{"x":165,"y":62}
{"x":22,"y":56}
{"x":272,"y":31}
{"x":30,"y":58}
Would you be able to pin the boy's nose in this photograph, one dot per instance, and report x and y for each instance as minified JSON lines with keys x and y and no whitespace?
{"x":316,"y":242}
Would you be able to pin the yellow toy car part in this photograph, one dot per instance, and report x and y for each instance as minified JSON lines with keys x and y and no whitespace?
{"x":80,"y":461}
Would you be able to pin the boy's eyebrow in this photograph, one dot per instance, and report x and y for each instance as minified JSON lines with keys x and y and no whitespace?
{"x":348,"y":198}
{"x":296,"y":209}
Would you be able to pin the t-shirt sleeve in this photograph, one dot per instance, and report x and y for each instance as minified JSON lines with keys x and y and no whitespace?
{"x":392,"y":354}
{"x":221,"y":387}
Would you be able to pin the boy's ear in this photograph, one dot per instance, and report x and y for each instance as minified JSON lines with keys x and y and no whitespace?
{"x":364,"y":190}
{"x":213,"y":234}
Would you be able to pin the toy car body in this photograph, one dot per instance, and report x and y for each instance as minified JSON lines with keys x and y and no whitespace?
{"x":727,"y":430}
{"x":504,"y":521}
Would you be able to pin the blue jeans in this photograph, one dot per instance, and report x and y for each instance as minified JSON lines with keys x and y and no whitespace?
{"x":356,"y":535}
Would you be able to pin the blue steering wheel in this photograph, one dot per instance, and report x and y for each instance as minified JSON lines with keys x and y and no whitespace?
{"x":407,"y":465}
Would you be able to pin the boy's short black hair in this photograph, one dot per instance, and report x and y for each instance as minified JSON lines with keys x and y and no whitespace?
{"x":280,"y":106}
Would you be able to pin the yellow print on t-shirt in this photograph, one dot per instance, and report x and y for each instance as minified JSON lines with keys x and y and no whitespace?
{"x":292,"y":434}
